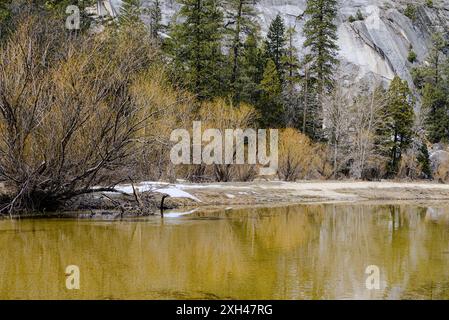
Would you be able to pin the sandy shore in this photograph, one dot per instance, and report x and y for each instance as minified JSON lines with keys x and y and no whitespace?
{"x":264,"y":192}
{"x":257,"y":193}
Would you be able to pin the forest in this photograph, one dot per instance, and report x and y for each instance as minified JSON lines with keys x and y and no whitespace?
{"x":84,"y":110}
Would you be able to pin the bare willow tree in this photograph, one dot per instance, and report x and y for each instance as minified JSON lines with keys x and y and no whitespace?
{"x":67,"y":117}
{"x":298,"y":156}
{"x":337,"y":119}
{"x":222,"y":114}
{"x":367,"y":118}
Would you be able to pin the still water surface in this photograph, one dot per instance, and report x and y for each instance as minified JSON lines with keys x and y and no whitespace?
{"x":298,"y":252}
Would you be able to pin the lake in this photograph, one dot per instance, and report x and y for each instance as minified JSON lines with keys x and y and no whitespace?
{"x":316,"y":251}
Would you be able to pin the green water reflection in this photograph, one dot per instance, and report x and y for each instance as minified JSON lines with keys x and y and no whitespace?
{"x":300,"y":252}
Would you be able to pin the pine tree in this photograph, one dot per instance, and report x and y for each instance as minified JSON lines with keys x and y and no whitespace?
{"x":5,"y":16}
{"x":319,"y":62}
{"x":290,"y":60}
{"x":130,"y":13}
{"x":397,"y":130}
{"x":320,"y":31}
{"x":271,"y":83}
{"x":240,"y":16}
{"x":271,"y":91}
{"x":431,"y":79}
{"x":436,"y":105}
{"x":195,"y":46}
{"x":275,"y":43}
{"x":436,"y":56}
{"x":424,"y":162}
{"x":291,"y":99}
{"x":155,"y":14}
{"x":252,"y":69}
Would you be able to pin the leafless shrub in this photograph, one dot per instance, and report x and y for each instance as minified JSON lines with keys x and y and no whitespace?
{"x":366,"y":118}
{"x":67,"y":118}
{"x":221,"y":114}
{"x":299,"y":157}
{"x":337,"y":119}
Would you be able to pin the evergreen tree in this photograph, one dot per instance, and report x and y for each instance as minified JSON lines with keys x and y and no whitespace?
{"x":320,"y":31}
{"x":311,"y":119}
{"x":275,"y":44}
{"x":130,"y":13}
{"x":291,"y":99}
{"x":290,"y":60}
{"x":155,"y":14}
{"x":319,"y":63}
{"x":435,"y":104}
{"x":271,"y":83}
{"x":434,"y":85}
{"x":397,"y":129}
{"x":5,"y":16}
{"x":271,"y":89}
{"x":195,"y":46}
{"x":424,"y":162}
{"x":436,"y":57}
{"x":240,"y":16}
{"x":252,"y":69}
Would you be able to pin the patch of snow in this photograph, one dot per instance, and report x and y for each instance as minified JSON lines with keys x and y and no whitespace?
{"x":177,"y":193}
{"x":158,"y":187}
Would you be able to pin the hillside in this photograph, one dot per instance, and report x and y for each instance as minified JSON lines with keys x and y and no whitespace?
{"x":373,"y":49}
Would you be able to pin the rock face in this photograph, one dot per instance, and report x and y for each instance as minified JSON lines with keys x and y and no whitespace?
{"x":371,"y":50}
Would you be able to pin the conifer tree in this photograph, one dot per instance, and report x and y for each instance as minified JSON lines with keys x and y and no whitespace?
{"x":424,"y":161}
{"x":291,"y":99}
{"x":271,"y":91}
{"x":252,"y":66}
{"x":275,"y":43}
{"x":195,"y":46}
{"x":5,"y":16}
{"x":320,"y":31}
{"x":240,"y":16}
{"x":397,"y":130}
{"x":320,"y":61}
{"x":5,"y":10}
{"x":435,"y":104}
{"x":155,"y":14}
{"x":290,"y":60}
{"x":130,"y":13}
{"x":434,"y":85}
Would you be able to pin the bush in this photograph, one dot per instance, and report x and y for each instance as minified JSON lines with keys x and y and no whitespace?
{"x":412,"y":56}
{"x":300,"y":158}
{"x":166,"y":108}
{"x":410,"y":12}
{"x":221,"y":114}
{"x":409,"y":166}
{"x":68,"y":120}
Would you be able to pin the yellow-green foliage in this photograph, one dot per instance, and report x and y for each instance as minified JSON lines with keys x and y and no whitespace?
{"x":300,"y":158}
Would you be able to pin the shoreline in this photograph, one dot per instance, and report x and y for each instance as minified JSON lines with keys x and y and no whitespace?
{"x":240,"y":195}
{"x":269,"y":192}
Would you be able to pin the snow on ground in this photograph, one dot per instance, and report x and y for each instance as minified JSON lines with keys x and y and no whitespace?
{"x":313,"y":185}
{"x":335,"y":190}
{"x":158,"y":187}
